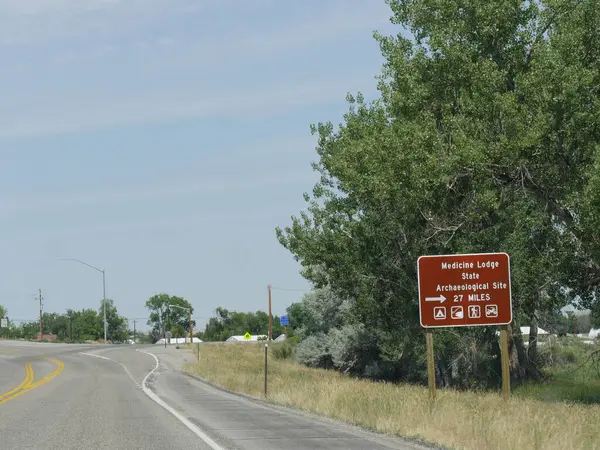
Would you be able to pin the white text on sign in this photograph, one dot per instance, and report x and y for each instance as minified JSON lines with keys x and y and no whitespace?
{"x":461,"y":265}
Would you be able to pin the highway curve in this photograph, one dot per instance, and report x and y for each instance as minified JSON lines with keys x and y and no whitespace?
{"x":59,"y":396}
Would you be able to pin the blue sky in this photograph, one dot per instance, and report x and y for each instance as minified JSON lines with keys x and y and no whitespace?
{"x":164,"y":140}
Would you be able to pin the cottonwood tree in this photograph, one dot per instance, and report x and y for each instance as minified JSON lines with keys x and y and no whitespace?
{"x":117,"y":327}
{"x":163,"y":317}
{"x":86,"y":324}
{"x":485,"y":138}
{"x":3,"y":313}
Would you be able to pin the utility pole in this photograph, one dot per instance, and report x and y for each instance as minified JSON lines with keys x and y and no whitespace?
{"x":270,"y":315}
{"x":191,"y":328}
{"x":41,"y":313}
{"x":165,"y":324}
{"x":134,"y":322}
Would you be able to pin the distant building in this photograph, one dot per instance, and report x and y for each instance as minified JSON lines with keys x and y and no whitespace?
{"x":253,"y":338}
{"x":525,"y":331}
{"x":46,"y":337}
{"x":179,"y":341}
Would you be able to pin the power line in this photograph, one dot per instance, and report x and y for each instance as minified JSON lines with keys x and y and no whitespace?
{"x":41,"y":299}
{"x":290,"y":290}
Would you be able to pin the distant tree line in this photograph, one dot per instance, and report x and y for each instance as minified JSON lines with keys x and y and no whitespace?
{"x":228,"y":323}
{"x":72,"y":325}
{"x":570,"y":323}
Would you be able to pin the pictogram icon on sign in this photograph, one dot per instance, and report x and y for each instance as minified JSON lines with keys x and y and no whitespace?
{"x":491,"y":310}
{"x":439,"y":313}
{"x":457,"y":312}
{"x":474,"y":311}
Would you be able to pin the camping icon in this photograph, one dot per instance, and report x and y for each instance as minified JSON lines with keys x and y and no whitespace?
{"x":439,"y":312}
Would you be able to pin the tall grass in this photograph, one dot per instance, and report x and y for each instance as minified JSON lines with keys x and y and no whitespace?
{"x":468,"y":420}
{"x":572,"y":369}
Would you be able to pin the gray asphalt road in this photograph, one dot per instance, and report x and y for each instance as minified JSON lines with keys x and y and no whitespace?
{"x":94,"y":397}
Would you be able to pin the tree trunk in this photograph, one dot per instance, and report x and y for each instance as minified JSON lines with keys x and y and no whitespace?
{"x":441,"y":375}
{"x":533,"y":332}
{"x":520,"y":366}
{"x":516,"y":350}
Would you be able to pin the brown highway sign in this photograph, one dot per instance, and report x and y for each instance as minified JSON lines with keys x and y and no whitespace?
{"x":464,"y":290}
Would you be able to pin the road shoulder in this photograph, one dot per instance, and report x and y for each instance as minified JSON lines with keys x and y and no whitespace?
{"x":221,"y":412}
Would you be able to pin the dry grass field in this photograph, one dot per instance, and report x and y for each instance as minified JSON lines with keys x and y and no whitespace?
{"x":476,"y":421}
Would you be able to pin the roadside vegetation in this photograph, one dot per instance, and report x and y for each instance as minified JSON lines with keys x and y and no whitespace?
{"x":462,"y":420}
{"x":571,"y":373}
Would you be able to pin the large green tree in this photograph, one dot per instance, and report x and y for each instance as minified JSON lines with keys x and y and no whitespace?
{"x":85,"y":324}
{"x":169,"y":313}
{"x":57,"y":324}
{"x":4,"y":332}
{"x":117,"y":328}
{"x":485,"y":138}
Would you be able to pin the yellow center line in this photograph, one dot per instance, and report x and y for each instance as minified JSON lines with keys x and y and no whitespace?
{"x":28,"y":383}
{"x":24,"y":384}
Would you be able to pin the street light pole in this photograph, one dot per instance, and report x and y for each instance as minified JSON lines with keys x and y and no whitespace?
{"x":102,"y":271}
{"x":104,"y":301}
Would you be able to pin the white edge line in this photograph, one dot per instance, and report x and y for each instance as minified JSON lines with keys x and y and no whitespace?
{"x":121,"y":364}
{"x":95,"y":356}
{"x":197,"y":431}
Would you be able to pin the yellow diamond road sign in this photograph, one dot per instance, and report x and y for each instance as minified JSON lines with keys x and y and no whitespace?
{"x":247,"y":336}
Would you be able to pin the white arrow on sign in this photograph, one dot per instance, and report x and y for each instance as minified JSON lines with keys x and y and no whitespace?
{"x":440,"y":299}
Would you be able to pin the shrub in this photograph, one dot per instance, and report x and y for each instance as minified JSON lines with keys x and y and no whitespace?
{"x":352,"y":349}
{"x":284,"y":351}
{"x":313,"y":352}
{"x":293,"y":340}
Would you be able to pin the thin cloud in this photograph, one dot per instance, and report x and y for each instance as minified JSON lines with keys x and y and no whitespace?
{"x":166,"y":71}
{"x":182,"y":222}
{"x":27,"y":22}
{"x":11,"y":206}
{"x":37,"y":7}
{"x":79,"y":116}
